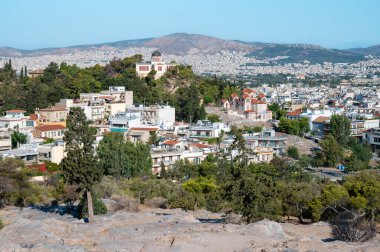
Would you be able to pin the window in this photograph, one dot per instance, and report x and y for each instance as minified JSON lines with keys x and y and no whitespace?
{"x":143,"y":68}
{"x":159,"y":68}
{"x":376,"y":140}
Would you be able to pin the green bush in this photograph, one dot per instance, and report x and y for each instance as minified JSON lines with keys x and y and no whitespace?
{"x":2,"y":224}
{"x":150,"y":188}
{"x":99,"y":207}
{"x":293,"y":152}
{"x":184,"y":200}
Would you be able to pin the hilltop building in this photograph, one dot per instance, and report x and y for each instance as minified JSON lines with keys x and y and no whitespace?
{"x":157,"y":63}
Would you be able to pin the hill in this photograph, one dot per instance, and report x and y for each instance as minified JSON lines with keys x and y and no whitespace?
{"x":189,"y":44}
{"x":372,"y":50}
{"x":183,"y":43}
{"x":301,"y":52}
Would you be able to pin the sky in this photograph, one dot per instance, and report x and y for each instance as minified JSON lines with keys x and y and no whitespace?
{"x":32,"y":24}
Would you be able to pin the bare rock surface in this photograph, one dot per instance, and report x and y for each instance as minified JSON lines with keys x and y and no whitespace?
{"x":31,"y":229}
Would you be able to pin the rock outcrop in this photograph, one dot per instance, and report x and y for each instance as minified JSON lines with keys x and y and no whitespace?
{"x":31,"y":229}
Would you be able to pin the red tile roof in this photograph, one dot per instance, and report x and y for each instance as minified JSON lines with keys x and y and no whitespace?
{"x":261,"y":95}
{"x":245,"y":96}
{"x":296,"y":112}
{"x":50,"y":127}
{"x":171,"y":142}
{"x":233,"y":95}
{"x":33,"y":117}
{"x":16,"y":111}
{"x":321,"y":119}
{"x":107,"y":97}
{"x":200,"y":146}
{"x":248,"y":90}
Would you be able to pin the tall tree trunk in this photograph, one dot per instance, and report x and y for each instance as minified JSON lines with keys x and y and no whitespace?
{"x":90,"y":207}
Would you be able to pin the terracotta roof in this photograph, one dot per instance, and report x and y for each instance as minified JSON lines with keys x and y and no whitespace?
{"x":144,"y":129}
{"x":50,"y":127}
{"x":321,"y":119}
{"x":171,"y":142}
{"x":255,"y":101}
{"x":33,"y":117}
{"x":107,"y":97}
{"x":233,"y":95}
{"x":16,"y":111}
{"x":245,"y":96}
{"x":261,"y":95}
{"x":223,"y":100}
{"x":296,"y":112}
{"x":200,"y":146}
{"x":248,"y":90}
{"x":249,"y":111}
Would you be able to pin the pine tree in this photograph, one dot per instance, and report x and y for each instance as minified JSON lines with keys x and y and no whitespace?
{"x":80,"y":166}
{"x":25,"y":72}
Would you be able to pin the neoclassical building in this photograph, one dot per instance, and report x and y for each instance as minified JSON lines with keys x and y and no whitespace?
{"x":156,"y":63}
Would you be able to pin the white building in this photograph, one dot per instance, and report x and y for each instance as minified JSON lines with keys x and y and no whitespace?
{"x":157,"y":64}
{"x":158,"y":115}
{"x":13,"y":119}
{"x":53,"y":152}
{"x":100,"y":105}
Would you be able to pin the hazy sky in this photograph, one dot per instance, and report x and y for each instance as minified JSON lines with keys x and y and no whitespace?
{"x":31,"y":24}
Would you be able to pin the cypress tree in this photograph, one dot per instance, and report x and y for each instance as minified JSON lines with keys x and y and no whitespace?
{"x":80,"y":166}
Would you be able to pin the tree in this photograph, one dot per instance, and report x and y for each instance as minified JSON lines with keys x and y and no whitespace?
{"x":14,"y":183}
{"x":304,"y":125}
{"x":199,"y":187}
{"x":257,"y":129}
{"x":278,"y":113}
{"x":332,"y":199}
{"x":121,"y":158}
{"x":213,"y":118}
{"x":332,"y":151}
{"x":153,"y":138}
{"x":341,"y":129}
{"x":80,"y":166}
{"x":188,"y":104}
{"x":293,"y":152}
{"x":17,"y":139}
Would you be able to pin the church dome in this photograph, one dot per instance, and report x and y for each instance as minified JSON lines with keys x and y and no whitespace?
{"x":156,"y":53}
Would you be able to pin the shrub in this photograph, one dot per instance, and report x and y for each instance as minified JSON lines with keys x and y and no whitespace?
{"x":2,"y":224}
{"x":107,"y":187}
{"x":99,"y":207}
{"x":126,"y":203}
{"x":352,"y":227}
{"x":185,"y":200}
{"x":257,"y":129}
{"x":293,"y":152}
{"x":156,"y":203}
{"x":145,"y":189}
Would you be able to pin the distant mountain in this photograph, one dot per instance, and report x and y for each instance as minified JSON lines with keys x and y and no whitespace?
{"x":300,"y":52}
{"x":183,"y":43}
{"x":188,"y":44}
{"x":13,"y":52}
{"x":372,"y":50}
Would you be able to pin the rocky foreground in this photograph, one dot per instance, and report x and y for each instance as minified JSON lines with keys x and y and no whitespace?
{"x":31,"y":229}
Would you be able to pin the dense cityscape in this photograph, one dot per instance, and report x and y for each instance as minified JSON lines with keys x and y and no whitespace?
{"x":190,"y":142}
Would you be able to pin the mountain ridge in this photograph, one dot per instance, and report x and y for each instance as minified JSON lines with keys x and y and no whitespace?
{"x":188,"y":44}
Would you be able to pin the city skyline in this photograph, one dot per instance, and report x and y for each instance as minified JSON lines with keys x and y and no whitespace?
{"x":338,"y":24}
